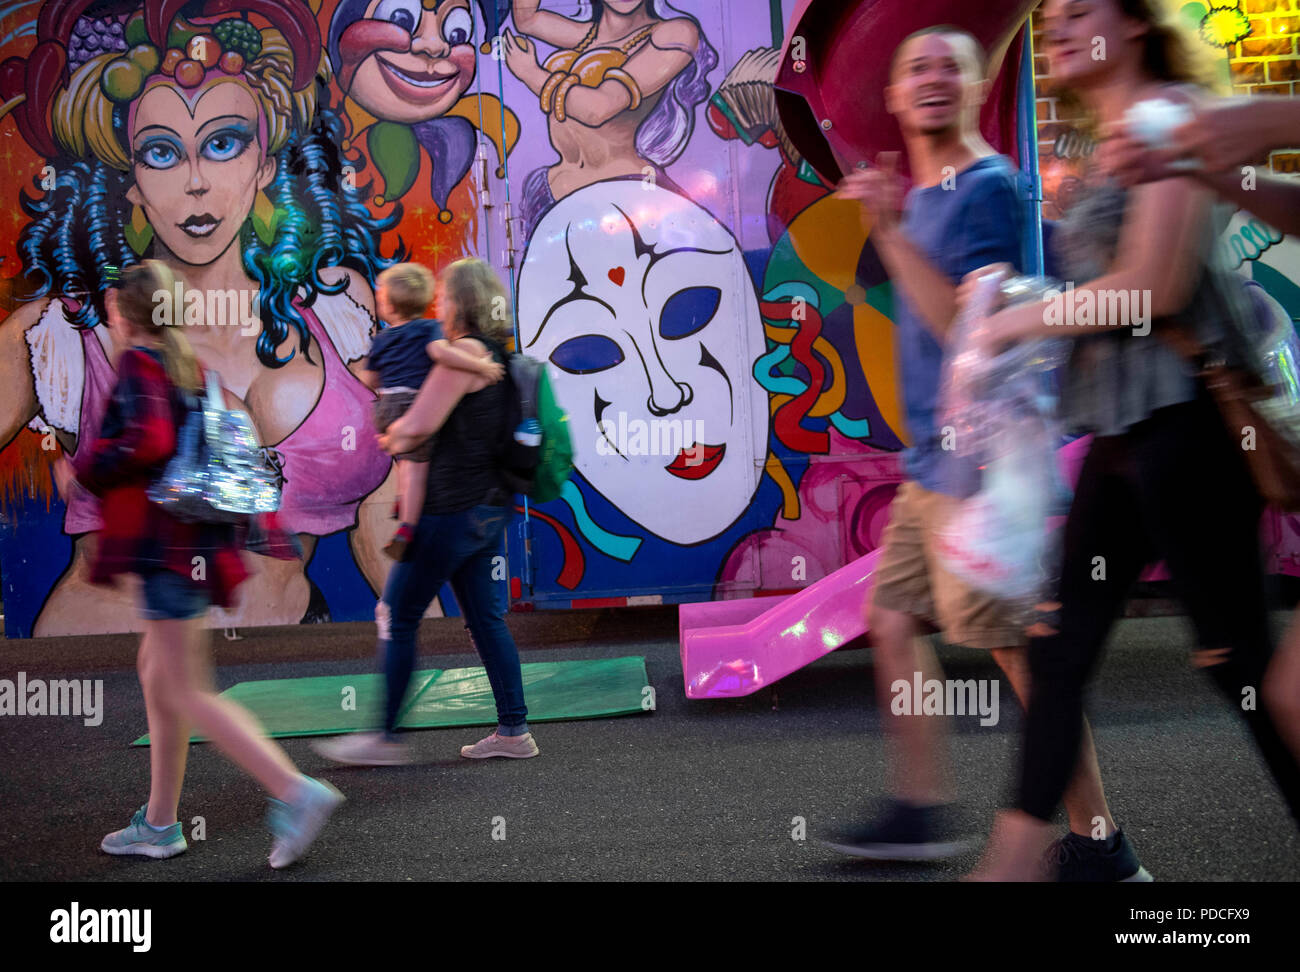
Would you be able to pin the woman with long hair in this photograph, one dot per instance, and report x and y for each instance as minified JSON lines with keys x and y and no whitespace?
{"x":1162,"y":460}
{"x":183,"y":569}
{"x":462,"y":532}
{"x":208,"y":143}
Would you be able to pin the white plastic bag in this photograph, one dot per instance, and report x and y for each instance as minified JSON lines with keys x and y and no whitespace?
{"x":1000,"y":410}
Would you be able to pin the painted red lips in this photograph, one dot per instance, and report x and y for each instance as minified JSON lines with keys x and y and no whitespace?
{"x":696,"y":462}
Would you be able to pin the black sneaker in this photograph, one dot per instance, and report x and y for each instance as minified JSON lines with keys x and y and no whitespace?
{"x":904,"y":833}
{"x":1077,"y":859}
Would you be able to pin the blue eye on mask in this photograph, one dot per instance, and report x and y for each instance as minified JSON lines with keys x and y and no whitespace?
{"x":687,"y":311}
{"x":587,"y":354}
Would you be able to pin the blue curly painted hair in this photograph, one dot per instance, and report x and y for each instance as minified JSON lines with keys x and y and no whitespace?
{"x":75,"y":246}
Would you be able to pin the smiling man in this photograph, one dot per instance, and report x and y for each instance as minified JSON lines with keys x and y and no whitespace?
{"x":963,"y":212}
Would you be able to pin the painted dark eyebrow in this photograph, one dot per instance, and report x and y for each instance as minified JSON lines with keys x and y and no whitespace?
{"x":161,"y":128}
{"x":239,"y":121}
{"x":642,"y":248}
{"x":579,"y":281}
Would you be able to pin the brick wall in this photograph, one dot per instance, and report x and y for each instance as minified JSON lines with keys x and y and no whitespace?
{"x":1274,"y":26}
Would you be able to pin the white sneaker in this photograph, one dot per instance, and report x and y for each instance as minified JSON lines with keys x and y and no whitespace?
{"x":364,"y":749}
{"x":512,"y":747}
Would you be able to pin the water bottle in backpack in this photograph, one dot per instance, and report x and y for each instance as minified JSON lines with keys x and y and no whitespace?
{"x":538,"y":455}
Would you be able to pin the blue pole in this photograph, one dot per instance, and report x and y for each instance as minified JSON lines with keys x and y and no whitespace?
{"x":526,"y":527}
{"x":1027,"y":106}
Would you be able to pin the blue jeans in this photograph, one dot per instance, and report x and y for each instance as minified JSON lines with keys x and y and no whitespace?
{"x":460,"y":548}
{"x":169,"y":596}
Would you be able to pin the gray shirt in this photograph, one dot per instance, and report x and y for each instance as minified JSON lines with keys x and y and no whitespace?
{"x":1116,"y":378}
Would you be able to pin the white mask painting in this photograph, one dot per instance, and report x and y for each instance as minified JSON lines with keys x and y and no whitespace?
{"x":641,"y":302}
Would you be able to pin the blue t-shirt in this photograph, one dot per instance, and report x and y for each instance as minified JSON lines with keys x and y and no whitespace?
{"x":398,"y":353}
{"x":959,"y":230}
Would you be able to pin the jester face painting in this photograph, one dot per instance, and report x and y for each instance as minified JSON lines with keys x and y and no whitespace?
{"x":407,"y":67}
{"x":405,"y":60}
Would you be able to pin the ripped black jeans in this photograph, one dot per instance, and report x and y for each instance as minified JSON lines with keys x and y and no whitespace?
{"x":1176,"y":488}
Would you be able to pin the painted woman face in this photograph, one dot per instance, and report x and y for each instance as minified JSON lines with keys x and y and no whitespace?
{"x":641,"y":303}
{"x":415,"y":84}
{"x":197,"y":166}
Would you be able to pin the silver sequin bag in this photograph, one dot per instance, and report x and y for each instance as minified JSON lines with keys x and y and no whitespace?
{"x":219,"y":473}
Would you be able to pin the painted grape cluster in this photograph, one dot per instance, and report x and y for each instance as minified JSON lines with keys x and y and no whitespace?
{"x":92,"y":37}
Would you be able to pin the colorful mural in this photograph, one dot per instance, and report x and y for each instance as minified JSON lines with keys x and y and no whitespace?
{"x":717,"y":325}
{"x":210,"y":135}
{"x":707,"y":350}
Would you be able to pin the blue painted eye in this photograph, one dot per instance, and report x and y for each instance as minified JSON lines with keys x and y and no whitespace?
{"x":403,"y":13}
{"x":686,"y":311}
{"x":161,"y":154}
{"x":587,"y":355}
{"x":224,"y":146}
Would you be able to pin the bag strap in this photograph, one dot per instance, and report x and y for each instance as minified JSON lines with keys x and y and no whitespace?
{"x":530,"y":374}
{"x":216,"y":401}
{"x":1177,"y":336}
{"x":1211,"y":368}
{"x":1207,"y":361}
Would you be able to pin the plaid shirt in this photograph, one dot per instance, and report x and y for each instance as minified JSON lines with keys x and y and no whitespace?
{"x":137,"y":438}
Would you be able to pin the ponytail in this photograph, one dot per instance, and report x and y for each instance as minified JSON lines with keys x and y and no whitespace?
{"x":178,"y":358}
{"x":137,"y":303}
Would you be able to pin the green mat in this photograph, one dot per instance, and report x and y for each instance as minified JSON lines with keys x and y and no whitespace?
{"x":440,"y":698}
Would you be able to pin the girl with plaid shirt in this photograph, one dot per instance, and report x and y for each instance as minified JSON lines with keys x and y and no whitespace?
{"x":184,"y":568}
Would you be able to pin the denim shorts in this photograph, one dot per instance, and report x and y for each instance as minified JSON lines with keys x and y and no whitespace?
{"x":168,"y":596}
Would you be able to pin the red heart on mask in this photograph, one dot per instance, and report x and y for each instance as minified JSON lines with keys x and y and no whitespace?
{"x":617,"y":275}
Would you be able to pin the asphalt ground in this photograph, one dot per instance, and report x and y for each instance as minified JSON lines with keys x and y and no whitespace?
{"x":691,"y":791}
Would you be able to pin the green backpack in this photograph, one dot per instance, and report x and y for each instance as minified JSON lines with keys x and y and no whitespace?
{"x":538,"y":453}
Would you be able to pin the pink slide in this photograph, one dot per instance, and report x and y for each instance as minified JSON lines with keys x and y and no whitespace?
{"x":734,"y":648}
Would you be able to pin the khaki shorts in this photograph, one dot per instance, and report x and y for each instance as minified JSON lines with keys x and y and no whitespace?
{"x":911,"y":579}
{"x":388,"y":409}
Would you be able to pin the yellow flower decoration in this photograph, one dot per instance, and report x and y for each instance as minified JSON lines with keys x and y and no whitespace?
{"x":1224,"y":26}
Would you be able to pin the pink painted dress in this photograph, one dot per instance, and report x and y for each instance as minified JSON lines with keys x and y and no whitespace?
{"x":323,"y":481}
